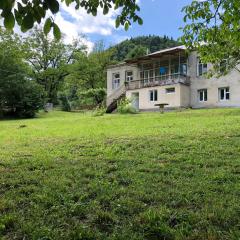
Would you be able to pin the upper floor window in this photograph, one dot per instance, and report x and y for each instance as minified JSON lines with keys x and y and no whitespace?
{"x":153,"y":95}
{"x":170,"y":90}
{"x":115,"y":80}
{"x":129,"y":76}
{"x":202,"y":95}
{"x":201,"y":68}
{"x":224,"y":93}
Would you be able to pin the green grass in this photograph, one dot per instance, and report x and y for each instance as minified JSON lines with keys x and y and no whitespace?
{"x":147,"y":176}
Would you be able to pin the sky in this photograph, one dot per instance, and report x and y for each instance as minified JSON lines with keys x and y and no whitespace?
{"x":160,"y":17}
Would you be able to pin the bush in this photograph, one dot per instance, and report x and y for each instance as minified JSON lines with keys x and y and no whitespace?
{"x":124,"y":106}
{"x":99,"y":111}
{"x":64,"y":102}
{"x":21,"y":97}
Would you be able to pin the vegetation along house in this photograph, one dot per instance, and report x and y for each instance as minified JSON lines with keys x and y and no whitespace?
{"x":170,"y":76}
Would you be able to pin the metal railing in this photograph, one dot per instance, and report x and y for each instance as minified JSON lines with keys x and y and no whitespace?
{"x":158,"y":81}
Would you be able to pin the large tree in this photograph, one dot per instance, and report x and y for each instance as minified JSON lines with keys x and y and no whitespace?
{"x":27,"y":12}
{"x":213,"y":29}
{"x":20,"y":96}
{"x":50,"y":60}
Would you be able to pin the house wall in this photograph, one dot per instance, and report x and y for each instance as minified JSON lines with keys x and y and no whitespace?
{"x":231,"y":80}
{"x":180,"y":98}
{"x":121,"y":68}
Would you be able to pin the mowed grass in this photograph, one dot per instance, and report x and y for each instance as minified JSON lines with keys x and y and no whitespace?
{"x":148,"y":176}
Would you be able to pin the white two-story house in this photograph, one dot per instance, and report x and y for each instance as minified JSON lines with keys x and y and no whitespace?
{"x":173,"y":77}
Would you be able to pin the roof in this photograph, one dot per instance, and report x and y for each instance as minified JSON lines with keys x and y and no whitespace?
{"x":159,"y":53}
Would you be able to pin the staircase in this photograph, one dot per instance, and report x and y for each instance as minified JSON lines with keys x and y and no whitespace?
{"x":114,"y":98}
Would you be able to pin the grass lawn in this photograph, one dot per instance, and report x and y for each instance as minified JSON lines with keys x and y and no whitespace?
{"x":124,"y":177}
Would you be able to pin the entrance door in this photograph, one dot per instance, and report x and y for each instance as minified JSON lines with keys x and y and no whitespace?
{"x":135,"y":100}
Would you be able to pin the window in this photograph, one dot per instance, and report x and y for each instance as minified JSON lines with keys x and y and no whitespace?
{"x":153,"y":95}
{"x":202,"y":68}
{"x":224,"y":94}
{"x":129,"y":76}
{"x":202,"y":95}
{"x":115,"y":80}
{"x":170,"y":90}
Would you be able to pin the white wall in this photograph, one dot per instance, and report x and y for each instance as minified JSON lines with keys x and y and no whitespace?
{"x":231,"y":80}
{"x":121,"y":69}
{"x":181,"y":97}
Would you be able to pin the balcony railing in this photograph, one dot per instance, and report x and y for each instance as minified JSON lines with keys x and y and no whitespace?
{"x":158,"y":81}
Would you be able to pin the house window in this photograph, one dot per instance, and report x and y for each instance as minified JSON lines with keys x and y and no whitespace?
{"x":202,"y":95}
{"x":170,"y":90}
{"x":153,"y":95}
{"x":129,"y":76}
{"x":224,"y":94}
{"x":202,"y":68}
{"x":115,"y":80}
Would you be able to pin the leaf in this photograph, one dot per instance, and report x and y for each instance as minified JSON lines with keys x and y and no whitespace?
{"x":56,"y":31}
{"x":126,"y":26}
{"x":9,"y":21}
{"x":140,"y":21}
{"x":47,"y":26}
{"x":53,"y":6}
{"x":28,"y":21}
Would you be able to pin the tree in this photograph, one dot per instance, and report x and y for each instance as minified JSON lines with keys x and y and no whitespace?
{"x":212,"y":28}
{"x":136,"y":52}
{"x":50,"y":60}
{"x":20,"y":96}
{"x":87,"y":81}
{"x":27,"y":12}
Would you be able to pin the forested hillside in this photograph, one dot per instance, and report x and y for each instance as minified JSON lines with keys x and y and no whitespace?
{"x":140,"y":45}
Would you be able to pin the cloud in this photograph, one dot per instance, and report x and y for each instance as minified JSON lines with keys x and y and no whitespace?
{"x":74,"y":22}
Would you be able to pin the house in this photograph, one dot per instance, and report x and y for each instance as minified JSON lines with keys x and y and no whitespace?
{"x":172,"y":76}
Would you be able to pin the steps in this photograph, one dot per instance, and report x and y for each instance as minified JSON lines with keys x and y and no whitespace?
{"x":114,"y":98}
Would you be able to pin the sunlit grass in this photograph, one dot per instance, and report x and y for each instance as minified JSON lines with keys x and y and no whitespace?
{"x":144,"y":176}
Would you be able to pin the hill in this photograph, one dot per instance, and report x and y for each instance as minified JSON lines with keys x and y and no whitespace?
{"x":140,"y":45}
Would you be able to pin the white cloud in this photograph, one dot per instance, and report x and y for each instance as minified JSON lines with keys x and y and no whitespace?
{"x":74,"y":22}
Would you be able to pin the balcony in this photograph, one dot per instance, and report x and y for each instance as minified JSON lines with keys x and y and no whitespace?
{"x":162,"y":80}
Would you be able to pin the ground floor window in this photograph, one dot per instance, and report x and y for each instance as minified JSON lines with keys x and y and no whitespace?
{"x":224,"y":93}
{"x":170,"y":90}
{"x":202,"y":95}
{"x":115,"y":80}
{"x":153,"y":95}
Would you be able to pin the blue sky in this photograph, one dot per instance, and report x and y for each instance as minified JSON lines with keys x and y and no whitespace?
{"x":161,"y":17}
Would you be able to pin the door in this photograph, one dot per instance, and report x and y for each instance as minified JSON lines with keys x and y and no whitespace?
{"x":135,"y":100}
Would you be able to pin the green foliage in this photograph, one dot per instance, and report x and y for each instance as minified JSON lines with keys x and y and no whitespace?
{"x":64,"y":102}
{"x":212,"y":28}
{"x":136,"y":52}
{"x":28,"y":12}
{"x":151,"y":43}
{"x":50,"y":60}
{"x":96,"y":95}
{"x":124,"y":106}
{"x":134,"y":177}
{"x":20,"y":96}
{"x":99,"y":111}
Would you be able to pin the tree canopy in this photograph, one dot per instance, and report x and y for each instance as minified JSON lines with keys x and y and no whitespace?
{"x":212,"y":28}
{"x":28,"y":12}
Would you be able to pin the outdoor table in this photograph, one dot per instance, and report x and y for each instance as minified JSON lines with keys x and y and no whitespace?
{"x":161,"y":106}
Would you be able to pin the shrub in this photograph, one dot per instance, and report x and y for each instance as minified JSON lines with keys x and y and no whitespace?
{"x":64,"y":102}
{"x":21,"y":97}
{"x":124,"y":106}
{"x":99,"y":111}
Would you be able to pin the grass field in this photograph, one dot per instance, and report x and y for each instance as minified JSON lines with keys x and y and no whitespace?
{"x":124,"y":177}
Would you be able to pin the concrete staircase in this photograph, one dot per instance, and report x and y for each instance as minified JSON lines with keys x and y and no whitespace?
{"x":114,"y":98}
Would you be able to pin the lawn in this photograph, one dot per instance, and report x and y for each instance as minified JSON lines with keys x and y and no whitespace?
{"x":123,"y":177}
